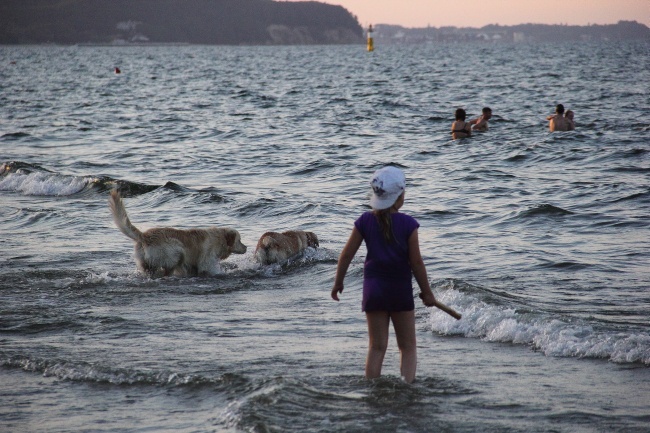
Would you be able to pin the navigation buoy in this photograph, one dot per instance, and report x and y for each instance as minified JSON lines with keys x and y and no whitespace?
{"x":117,"y":70}
{"x":371,"y":44}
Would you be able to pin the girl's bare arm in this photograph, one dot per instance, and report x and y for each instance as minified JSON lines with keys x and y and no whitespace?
{"x":419,"y":270}
{"x":349,"y":250}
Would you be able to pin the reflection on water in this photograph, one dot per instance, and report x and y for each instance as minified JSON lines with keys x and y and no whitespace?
{"x":538,"y":239}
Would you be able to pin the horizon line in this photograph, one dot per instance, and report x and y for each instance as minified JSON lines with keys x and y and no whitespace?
{"x":511,"y":25}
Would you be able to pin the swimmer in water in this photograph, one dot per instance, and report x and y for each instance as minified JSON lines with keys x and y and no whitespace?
{"x":557,"y":121}
{"x":460,"y":128}
{"x":481,"y":123}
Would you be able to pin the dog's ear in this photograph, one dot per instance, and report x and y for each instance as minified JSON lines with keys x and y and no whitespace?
{"x":312,"y":240}
{"x":231,"y":237}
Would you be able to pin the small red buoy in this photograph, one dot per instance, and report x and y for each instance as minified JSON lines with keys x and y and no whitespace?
{"x":117,"y":70}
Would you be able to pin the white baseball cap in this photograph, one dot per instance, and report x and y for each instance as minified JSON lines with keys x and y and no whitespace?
{"x":387,"y":184}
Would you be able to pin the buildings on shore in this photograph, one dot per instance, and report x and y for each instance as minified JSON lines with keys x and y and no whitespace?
{"x":623,"y":30}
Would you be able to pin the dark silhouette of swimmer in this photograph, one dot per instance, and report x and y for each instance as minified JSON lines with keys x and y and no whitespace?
{"x":557,"y":121}
{"x":460,"y":128}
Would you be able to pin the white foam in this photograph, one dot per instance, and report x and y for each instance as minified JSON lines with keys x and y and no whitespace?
{"x":243,"y":262}
{"x":549,"y":335}
{"x":93,"y":373}
{"x":94,"y":278}
{"x":247,"y":262}
{"x":40,"y":183}
{"x":71,"y":282}
{"x":231,"y":416}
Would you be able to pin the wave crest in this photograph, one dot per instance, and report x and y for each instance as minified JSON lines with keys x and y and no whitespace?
{"x":543,"y":332}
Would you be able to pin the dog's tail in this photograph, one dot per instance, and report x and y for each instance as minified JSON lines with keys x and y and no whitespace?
{"x":262,"y":251}
{"x":121,"y":218}
{"x":268,"y":241}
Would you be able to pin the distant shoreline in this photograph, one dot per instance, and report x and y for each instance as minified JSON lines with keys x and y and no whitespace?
{"x":223,"y":22}
{"x":623,"y":30}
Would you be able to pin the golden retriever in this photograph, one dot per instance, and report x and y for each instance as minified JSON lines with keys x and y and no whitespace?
{"x":276,"y":247}
{"x":177,"y":252}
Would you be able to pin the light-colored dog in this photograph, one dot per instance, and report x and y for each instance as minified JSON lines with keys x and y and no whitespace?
{"x":177,"y":252}
{"x":276,"y":247}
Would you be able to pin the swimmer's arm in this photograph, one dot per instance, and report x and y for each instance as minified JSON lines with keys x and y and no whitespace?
{"x":479,"y":124}
{"x":419,"y":270}
{"x":349,"y":250}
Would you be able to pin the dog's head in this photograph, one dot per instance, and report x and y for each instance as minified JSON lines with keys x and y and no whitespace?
{"x":312,"y":239}
{"x":233,"y":240}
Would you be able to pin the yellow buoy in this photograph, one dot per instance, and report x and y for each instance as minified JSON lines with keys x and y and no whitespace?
{"x":371,"y":44}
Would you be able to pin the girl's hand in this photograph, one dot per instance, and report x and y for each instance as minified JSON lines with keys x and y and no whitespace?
{"x":427,"y":298}
{"x":338,"y":288}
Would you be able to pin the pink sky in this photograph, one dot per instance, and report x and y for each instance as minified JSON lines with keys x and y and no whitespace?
{"x":477,"y":13}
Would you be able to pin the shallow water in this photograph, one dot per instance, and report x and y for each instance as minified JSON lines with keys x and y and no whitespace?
{"x":540,"y":240}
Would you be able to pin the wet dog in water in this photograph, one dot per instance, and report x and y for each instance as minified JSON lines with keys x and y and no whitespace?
{"x":177,"y":252}
{"x":276,"y":247}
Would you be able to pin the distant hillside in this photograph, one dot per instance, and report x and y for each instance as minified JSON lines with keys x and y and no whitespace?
{"x":623,"y":30}
{"x":228,"y":22}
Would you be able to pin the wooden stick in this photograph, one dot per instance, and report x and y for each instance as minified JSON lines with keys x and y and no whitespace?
{"x":453,"y":313}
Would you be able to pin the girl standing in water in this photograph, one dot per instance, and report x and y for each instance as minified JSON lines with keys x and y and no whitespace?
{"x":393,"y":256}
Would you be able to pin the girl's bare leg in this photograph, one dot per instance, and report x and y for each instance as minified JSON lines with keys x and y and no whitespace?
{"x":404,"y":324}
{"x":377,"y":342}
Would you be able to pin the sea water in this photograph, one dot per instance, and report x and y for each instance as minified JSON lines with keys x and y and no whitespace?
{"x":540,"y":240}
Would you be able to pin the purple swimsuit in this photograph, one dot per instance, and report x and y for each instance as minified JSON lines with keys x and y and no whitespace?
{"x":387,"y":276}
